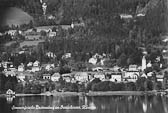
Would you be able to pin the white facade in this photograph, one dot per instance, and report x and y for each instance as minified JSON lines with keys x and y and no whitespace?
{"x":52,"y":34}
{"x":11,"y":32}
{"x":93,"y":61}
{"x":35,"y":69}
{"x":100,"y":76}
{"x":133,"y":68}
{"x":36,"y":63}
{"x":21,"y":68}
{"x":10,"y":73}
{"x":50,"y":54}
{"x":46,"y":76}
{"x":131,"y":76}
{"x":66,"y":55}
{"x":66,"y":77}
{"x":116,"y":77}
{"x":149,"y":64}
{"x":126,"y":16}
{"x":81,"y":76}
{"x":55,"y":77}
{"x":97,"y":69}
{"x":30,"y":64}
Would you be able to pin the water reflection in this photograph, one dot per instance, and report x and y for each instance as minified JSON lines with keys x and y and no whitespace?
{"x":108,"y":104}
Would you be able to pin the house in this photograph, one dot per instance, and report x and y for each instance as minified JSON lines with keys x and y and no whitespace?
{"x":32,"y":37}
{"x":44,"y":28}
{"x":73,"y":24}
{"x":150,"y":74}
{"x":50,"y":55}
{"x":30,"y":64}
{"x":144,"y":75}
{"x":131,"y":76}
{"x":21,"y":68}
{"x":126,"y":16}
{"x":97,"y":69}
{"x":6,"y":64}
{"x":47,"y":76}
{"x":133,"y":68}
{"x":10,"y":92}
{"x":116,"y":68}
{"x":35,"y":68}
{"x":101,"y":76}
{"x":36,"y":63}
{"x":11,"y":32}
{"x":10,"y":73}
{"x":93,"y":61}
{"x":66,"y":77}
{"x":52,"y":34}
{"x":141,"y":11}
{"x":160,"y":77}
{"x":103,"y":60}
{"x":49,"y":67}
{"x":81,"y":76}
{"x":12,"y":69}
{"x":55,"y":77}
{"x":51,"y":17}
{"x":66,"y":55}
{"x":149,"y":64}
{"x":24,"y":75}
{"x":115,"y":76}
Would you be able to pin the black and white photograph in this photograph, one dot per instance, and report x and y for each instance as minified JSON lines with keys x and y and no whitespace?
{"x":83,"y":56}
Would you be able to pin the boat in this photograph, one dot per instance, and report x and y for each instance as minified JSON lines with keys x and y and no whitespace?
{"x":10,"y":93}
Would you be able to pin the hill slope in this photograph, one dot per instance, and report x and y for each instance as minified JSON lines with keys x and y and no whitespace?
{"x":16,"y":16}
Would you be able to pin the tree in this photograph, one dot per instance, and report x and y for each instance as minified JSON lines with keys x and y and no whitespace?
{"x":43,"y":33}
{"x":122,"y":60}
{"x":2,"y":81}
{"x":9,"y":85}
{"x":19,"y":88}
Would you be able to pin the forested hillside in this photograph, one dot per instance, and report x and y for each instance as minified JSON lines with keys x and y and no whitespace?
{"x":105,"y":31}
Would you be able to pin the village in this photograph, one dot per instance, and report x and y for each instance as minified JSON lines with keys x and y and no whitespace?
{"x":54,"y":57}
{"x":34,"y":72}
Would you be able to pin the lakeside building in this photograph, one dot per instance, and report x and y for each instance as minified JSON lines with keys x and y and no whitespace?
{"x":47,"y":76}
{"x":67,"y":77}
{"x":101,"y":76}
{"x":131,"y":76}
{"x":114,"y":76}
{"x":81,"y":76}
{"x":55,"y":77}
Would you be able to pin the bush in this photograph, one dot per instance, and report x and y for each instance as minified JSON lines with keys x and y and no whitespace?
{"x":101,"y":86}
{"x":89,"y":85}
{"x":116,"y":86}
{"x":130,"y":86}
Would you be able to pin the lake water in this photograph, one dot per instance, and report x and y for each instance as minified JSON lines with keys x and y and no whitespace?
{"x":107,"y":104}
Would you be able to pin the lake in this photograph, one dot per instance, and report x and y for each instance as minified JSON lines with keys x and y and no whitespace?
{"x":102,"y":104}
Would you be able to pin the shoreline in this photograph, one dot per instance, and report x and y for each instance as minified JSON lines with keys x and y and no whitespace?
{"x":92,"y":93}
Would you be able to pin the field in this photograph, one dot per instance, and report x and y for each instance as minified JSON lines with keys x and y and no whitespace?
{"x":10,"y":43}
{"x":16,"y":16}
{"x":30,"y":43}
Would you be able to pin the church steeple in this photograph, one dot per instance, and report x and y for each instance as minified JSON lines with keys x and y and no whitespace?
{"x":143,"y":63}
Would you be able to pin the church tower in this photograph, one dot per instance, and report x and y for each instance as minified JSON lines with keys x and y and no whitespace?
{"x":143,"y":63}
